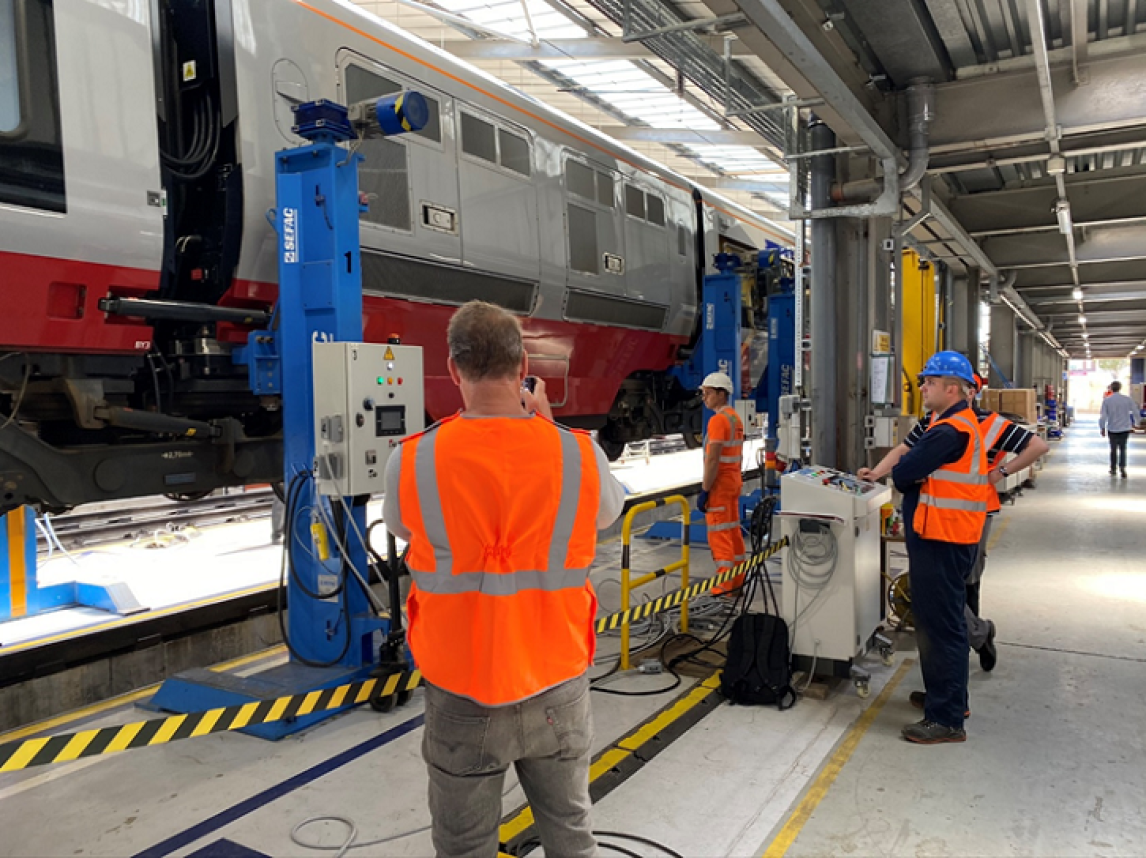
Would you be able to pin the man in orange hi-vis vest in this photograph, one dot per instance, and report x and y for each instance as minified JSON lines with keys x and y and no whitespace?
{"x":501,"y":507}
{"x":719,"y":498}
{"x":945,"y":489}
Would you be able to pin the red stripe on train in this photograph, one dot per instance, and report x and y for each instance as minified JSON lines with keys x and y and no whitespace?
{"x":51,"y":305}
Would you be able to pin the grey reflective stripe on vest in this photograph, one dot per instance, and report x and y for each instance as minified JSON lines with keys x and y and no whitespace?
{"x":993,"y":433}
{"x":570,"y":497}
{"x":728,"y":525}
{"x":433,"y":519}
{"x":973,"y":478}
{"x":505,"y":584}
{"x":953,"y":503}
{"x":443,"y":580}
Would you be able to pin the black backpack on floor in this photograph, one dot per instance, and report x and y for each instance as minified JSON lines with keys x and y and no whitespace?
{"x":759,"y":667}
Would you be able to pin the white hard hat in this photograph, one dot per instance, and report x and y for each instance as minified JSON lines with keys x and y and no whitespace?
{"x":719,"y":380}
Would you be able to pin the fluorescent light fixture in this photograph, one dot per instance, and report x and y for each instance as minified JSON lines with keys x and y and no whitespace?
{"x":1081,"y":319}
{"x":1062,"y":212}
{"x":1076,"y":294}
{"x":1085,"y":335}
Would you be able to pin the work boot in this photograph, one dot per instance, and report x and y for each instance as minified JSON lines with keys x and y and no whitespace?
{"x":1124,"y":474}
{"x":731,"y":587}
{"x":1112,"y":472}
{"x":988,"y":655}
{"x":919,"y":699}
{"x":929,"y":733}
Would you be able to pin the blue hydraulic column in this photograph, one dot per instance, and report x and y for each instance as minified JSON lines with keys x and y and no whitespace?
{"x":331,"y":627}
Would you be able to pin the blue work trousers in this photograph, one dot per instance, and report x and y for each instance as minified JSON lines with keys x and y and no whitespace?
{"x":938,"y":595}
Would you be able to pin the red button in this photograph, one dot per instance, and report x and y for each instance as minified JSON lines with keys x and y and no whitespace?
{"x":399,"y":381}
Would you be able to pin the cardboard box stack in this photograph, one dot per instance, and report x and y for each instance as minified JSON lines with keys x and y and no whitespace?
{"x":1022,"y":402}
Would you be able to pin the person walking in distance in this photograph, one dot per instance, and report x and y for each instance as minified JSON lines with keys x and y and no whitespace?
{"x":1116,"y":422}
{"x":723,"y":479}
{"x":501,"y":507}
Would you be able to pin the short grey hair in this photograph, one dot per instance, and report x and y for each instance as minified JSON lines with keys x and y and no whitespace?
{"x":964,"y":387}
{"x":485,"y":342}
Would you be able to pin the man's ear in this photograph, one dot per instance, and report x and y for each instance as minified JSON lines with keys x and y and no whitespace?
{"x":454,"y":374}
{"x":523,"y":370}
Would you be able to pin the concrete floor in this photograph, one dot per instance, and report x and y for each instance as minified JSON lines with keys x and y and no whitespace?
{"x":1055,"y":763}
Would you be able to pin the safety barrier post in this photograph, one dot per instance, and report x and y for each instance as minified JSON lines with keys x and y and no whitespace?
{"x":627,"y":586}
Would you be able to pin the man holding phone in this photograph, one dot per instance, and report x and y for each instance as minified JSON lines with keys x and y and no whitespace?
{"x":501,"y":507}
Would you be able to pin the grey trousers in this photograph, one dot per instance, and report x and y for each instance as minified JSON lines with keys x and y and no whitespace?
{"x":468,"y":748}
{"x":978,"y":628}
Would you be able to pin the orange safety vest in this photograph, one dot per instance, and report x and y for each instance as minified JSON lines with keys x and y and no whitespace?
{"x":502,"y":516}
{"x":992,"y":427}
{"x":732,"y":449}
{"x":953,"y":500}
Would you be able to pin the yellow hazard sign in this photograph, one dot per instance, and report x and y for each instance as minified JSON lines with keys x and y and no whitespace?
{"x":389,"y":354}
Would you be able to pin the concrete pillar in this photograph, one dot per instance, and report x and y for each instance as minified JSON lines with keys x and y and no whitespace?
{"x":963,"y":321}
{"x":1003,"y":345}
{"x":823,"y":304}
{"x":1025,"y":359}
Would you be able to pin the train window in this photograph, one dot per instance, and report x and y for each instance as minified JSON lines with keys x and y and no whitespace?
{"x":634,"y":201}
{"x":514,"y":151}
{"x":31,"y":148}
{"x":383,"y":177}
{"x":583,"y":254}
{"x":579,"y":180}
{"x":362,"y":84}
{"x":478,"y":138}
{"x":656,"y":209}
{"x":605,"y":189}
{"x":9,"y":80}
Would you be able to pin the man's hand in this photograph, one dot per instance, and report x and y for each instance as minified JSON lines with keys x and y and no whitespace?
{"x":1103,"y":431}
{"x":868,"y":475}
{"x":537,"y":402}
{"x":995,"y":477}
{"x":702,"y":501}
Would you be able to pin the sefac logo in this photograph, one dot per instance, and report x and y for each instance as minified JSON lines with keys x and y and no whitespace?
{"x":177,"y":454}
{"x":290,"y":236}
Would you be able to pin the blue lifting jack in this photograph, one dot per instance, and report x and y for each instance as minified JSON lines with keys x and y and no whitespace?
{"x":718,"y":349}
{"x":333,"y":631}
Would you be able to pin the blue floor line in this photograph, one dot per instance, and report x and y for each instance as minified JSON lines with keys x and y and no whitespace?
{"x":255,"y":802}
{"x":226,"y":849}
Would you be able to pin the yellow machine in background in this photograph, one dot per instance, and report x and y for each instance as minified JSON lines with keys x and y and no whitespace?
{"x":921,"y":335}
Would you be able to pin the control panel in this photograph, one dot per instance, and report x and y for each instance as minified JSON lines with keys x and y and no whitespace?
{"x":817,"y":487}
{"x":367,"y":398}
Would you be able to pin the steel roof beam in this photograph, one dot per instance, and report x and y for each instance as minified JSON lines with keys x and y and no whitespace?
{"x":1094,"y":199}
{"x":686,"y":136}
{"x":1008,"y":107}
{"x":565,"y":49}
{"x":1104,"y":244}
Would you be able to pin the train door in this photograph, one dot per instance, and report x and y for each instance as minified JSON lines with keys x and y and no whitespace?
{"x":647,"y":269}
{"x":410,"y":185}
{"x":500,"y":232}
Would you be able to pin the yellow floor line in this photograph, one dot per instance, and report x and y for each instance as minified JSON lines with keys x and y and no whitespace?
{"x":819,"y":789}
{"x":997,"y":533}
{"x":124,"y":699}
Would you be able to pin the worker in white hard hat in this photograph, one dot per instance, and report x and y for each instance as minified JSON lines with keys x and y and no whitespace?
{"x":719,"y":498}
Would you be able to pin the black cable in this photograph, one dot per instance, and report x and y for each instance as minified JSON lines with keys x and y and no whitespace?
{"x":294,"y":490}
{"x":615,"y":848}
{"x":637,"y":839}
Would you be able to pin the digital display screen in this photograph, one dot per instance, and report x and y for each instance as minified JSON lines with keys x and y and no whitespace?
{"x":390,"y":420}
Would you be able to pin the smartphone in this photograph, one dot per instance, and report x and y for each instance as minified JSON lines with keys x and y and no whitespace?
{"x":529,"y":383}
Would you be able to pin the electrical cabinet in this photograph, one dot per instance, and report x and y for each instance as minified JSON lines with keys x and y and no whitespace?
{"x":367,"y":398}
{"x":831,"y":600}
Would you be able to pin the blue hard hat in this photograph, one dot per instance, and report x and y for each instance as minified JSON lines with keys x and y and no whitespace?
{"x":950,"y":364}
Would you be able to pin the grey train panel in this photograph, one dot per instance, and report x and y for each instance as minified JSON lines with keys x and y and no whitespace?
{"x":605,"y":310}
{"x":402,"y":277}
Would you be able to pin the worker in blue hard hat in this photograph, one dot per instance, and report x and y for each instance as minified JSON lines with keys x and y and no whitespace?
{"x":945,"y":489}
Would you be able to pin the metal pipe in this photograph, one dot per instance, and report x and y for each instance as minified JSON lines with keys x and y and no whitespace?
{"x":920,"y":113}
{"x":823,"y":303}
{"x":182,"y":311}
{"x":684,"y":26}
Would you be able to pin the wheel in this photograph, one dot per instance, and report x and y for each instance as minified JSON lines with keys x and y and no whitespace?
{"x":693,"y":431}
{"x":404,"y":697}
{"x":863,"y":689}
{"x":611,"y":447}
{"x":888,"y":657}
{"x":383,"y":704}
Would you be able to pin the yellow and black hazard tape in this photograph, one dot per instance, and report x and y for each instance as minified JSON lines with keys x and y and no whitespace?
{"x":66,"y":747}
{"x":675,"y":598}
